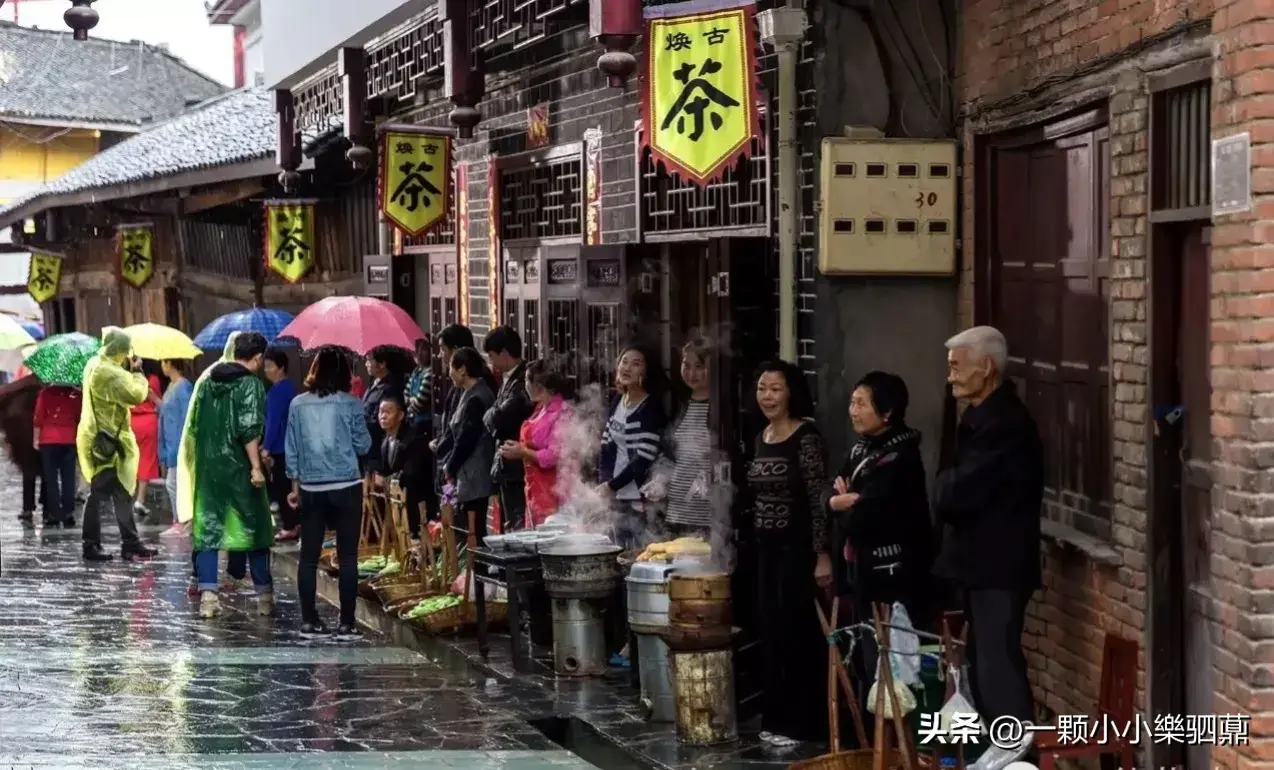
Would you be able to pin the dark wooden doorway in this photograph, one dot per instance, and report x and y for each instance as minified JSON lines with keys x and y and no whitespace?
{"x":1181,"y":663}
{"x":1045,"y":284}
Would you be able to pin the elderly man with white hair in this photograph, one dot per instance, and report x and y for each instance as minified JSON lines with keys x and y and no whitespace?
{"x":989,"y":500}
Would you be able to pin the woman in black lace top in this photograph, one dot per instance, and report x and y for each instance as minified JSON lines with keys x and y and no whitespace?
{"x":786,"y":479}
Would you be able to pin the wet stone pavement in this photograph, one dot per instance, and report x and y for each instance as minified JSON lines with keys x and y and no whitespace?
{"x":109,"y":666}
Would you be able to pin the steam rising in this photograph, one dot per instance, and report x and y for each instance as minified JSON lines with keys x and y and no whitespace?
{"x":584,"y":510}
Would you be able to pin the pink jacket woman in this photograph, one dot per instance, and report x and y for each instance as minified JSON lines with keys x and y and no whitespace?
{"x":540,"y":440}
{"x":541,"y":437}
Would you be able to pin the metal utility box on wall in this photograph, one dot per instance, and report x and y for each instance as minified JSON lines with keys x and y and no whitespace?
{"x":887,"y":207}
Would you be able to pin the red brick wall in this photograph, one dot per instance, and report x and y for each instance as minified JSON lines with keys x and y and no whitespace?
{"x":1022,"y":62}
{"x":1242,"y":381}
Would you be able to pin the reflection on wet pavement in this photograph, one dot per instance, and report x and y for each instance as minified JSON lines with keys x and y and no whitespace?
{"x":109,"y":666}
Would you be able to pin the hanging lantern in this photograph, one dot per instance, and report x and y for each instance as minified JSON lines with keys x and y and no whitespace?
{"x":464,"y":83}
{"x":81,"y":17}
{"x":616,"y":24}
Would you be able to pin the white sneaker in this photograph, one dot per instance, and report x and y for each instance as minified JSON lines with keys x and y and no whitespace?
{"x":209,"y":605}
{"x":265,"y":604}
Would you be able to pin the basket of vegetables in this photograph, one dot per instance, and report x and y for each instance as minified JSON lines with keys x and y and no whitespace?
{"x":447,"y":613}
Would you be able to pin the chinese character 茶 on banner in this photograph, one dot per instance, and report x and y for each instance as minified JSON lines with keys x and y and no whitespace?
{"x":289,"y":238}
{"x":415,"y":169}
{"x":136,"y":254}
{"x":700,"y":96}
{"x":44,"y":276}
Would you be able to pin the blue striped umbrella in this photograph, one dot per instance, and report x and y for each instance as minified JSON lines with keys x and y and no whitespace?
{"x":269,"y":322}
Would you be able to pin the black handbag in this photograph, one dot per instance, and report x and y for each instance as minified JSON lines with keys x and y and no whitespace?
{"x":106,"y":447}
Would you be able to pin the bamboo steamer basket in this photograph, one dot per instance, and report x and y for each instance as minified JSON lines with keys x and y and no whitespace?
{"x":699,"y":600}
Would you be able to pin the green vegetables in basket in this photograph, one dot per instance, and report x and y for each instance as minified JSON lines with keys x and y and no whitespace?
{"x":392,"y":567}
{"x":431,"y":605}
{"x":373,"y":564}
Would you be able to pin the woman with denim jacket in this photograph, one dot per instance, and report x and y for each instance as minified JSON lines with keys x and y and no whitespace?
{"x":326,"y":436}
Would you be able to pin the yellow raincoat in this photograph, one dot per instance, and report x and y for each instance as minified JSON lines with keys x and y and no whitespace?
{"x":186,"y":450}
{"x":110,"y":391}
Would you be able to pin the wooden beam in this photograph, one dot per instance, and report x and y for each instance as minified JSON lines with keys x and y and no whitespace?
{"x":232,"y":192}
{"x":1197,"y":71}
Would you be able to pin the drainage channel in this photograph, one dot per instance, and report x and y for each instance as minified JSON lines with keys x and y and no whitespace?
{"x":578,"y":737}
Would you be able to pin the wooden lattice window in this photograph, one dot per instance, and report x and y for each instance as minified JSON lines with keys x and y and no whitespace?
{"x":398,"y":61}
{"x":319,"y":102}
{"x":542,"y":200}
{"x":520,"y":23}
{"x":739,"y":201}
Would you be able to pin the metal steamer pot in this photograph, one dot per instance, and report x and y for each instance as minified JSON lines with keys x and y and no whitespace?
{"x":584,"y":571}
{"x":648,"y":596}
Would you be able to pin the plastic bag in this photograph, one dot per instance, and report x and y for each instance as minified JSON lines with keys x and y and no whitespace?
{"x":906,"y":698}
{"x":960,"y":702}
{"x":904,"y":647}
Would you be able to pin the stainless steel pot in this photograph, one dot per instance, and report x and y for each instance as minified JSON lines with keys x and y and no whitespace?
{"x":648,"y":596}
{"x":580,"y":571}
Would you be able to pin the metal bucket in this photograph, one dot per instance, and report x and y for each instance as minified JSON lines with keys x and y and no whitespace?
{"x":703,"y":685}
{"x":579,"y":637}
{"x":656,"y":679}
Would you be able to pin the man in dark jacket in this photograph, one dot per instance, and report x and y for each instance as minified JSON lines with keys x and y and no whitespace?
{"x":504,"y":420}
{"x":990,"y":501}
{"x":450,"y":339}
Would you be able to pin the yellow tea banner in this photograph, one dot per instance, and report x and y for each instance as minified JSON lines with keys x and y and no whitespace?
{"x":136,"y":246}
{"x":289,"y":238}
{"x":415,"y":166}
{"x":699,"y":96}
{"x":44,"y":276}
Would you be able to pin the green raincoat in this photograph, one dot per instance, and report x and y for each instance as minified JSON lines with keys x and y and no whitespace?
{"x":186,"y":449}
{"x":226,"y":413}
{"x":110,"y":391}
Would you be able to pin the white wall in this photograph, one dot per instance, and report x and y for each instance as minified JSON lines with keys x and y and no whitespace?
{"x":306,"y":34}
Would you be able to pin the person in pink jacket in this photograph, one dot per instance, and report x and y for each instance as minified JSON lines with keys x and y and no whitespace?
{"x":540,"y":440}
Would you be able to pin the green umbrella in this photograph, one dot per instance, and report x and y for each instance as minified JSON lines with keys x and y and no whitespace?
{"x":60,"y":359}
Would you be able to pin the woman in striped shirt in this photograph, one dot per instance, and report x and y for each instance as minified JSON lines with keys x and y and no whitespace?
{"x":630,"y":444}
{"x":683,"y":476}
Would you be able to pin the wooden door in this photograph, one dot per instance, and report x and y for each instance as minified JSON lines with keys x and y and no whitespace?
{"x":1193,"y":372}
{"x":1050,"y":290}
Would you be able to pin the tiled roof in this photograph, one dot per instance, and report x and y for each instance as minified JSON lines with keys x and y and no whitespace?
{"x":234,"y":128}
{"x":46,"y":75}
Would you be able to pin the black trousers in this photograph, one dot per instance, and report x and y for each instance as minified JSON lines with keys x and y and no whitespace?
{"x":513,"y":504}
{"x":341,"y":510}
{"x":59,"y":481}
{"x":28,"y":491}
{"x":280,"y":487}
{"x":107,"y":494}
{"x":999,"y":682}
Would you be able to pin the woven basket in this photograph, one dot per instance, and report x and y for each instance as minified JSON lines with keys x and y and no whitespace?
{"x":858,"y":759}
{"x":393,"y":581}
{"x":460,"y":616}
{"x":390,"y":594}
{"x":400,"y":605}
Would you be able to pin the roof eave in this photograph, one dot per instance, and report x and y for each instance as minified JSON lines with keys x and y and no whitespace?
{"x":222,"y":11}
{"x":264,"y":166}
{"x":87,"y":125}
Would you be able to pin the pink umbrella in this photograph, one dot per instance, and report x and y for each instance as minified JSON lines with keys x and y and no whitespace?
{"x":357,"y":323}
